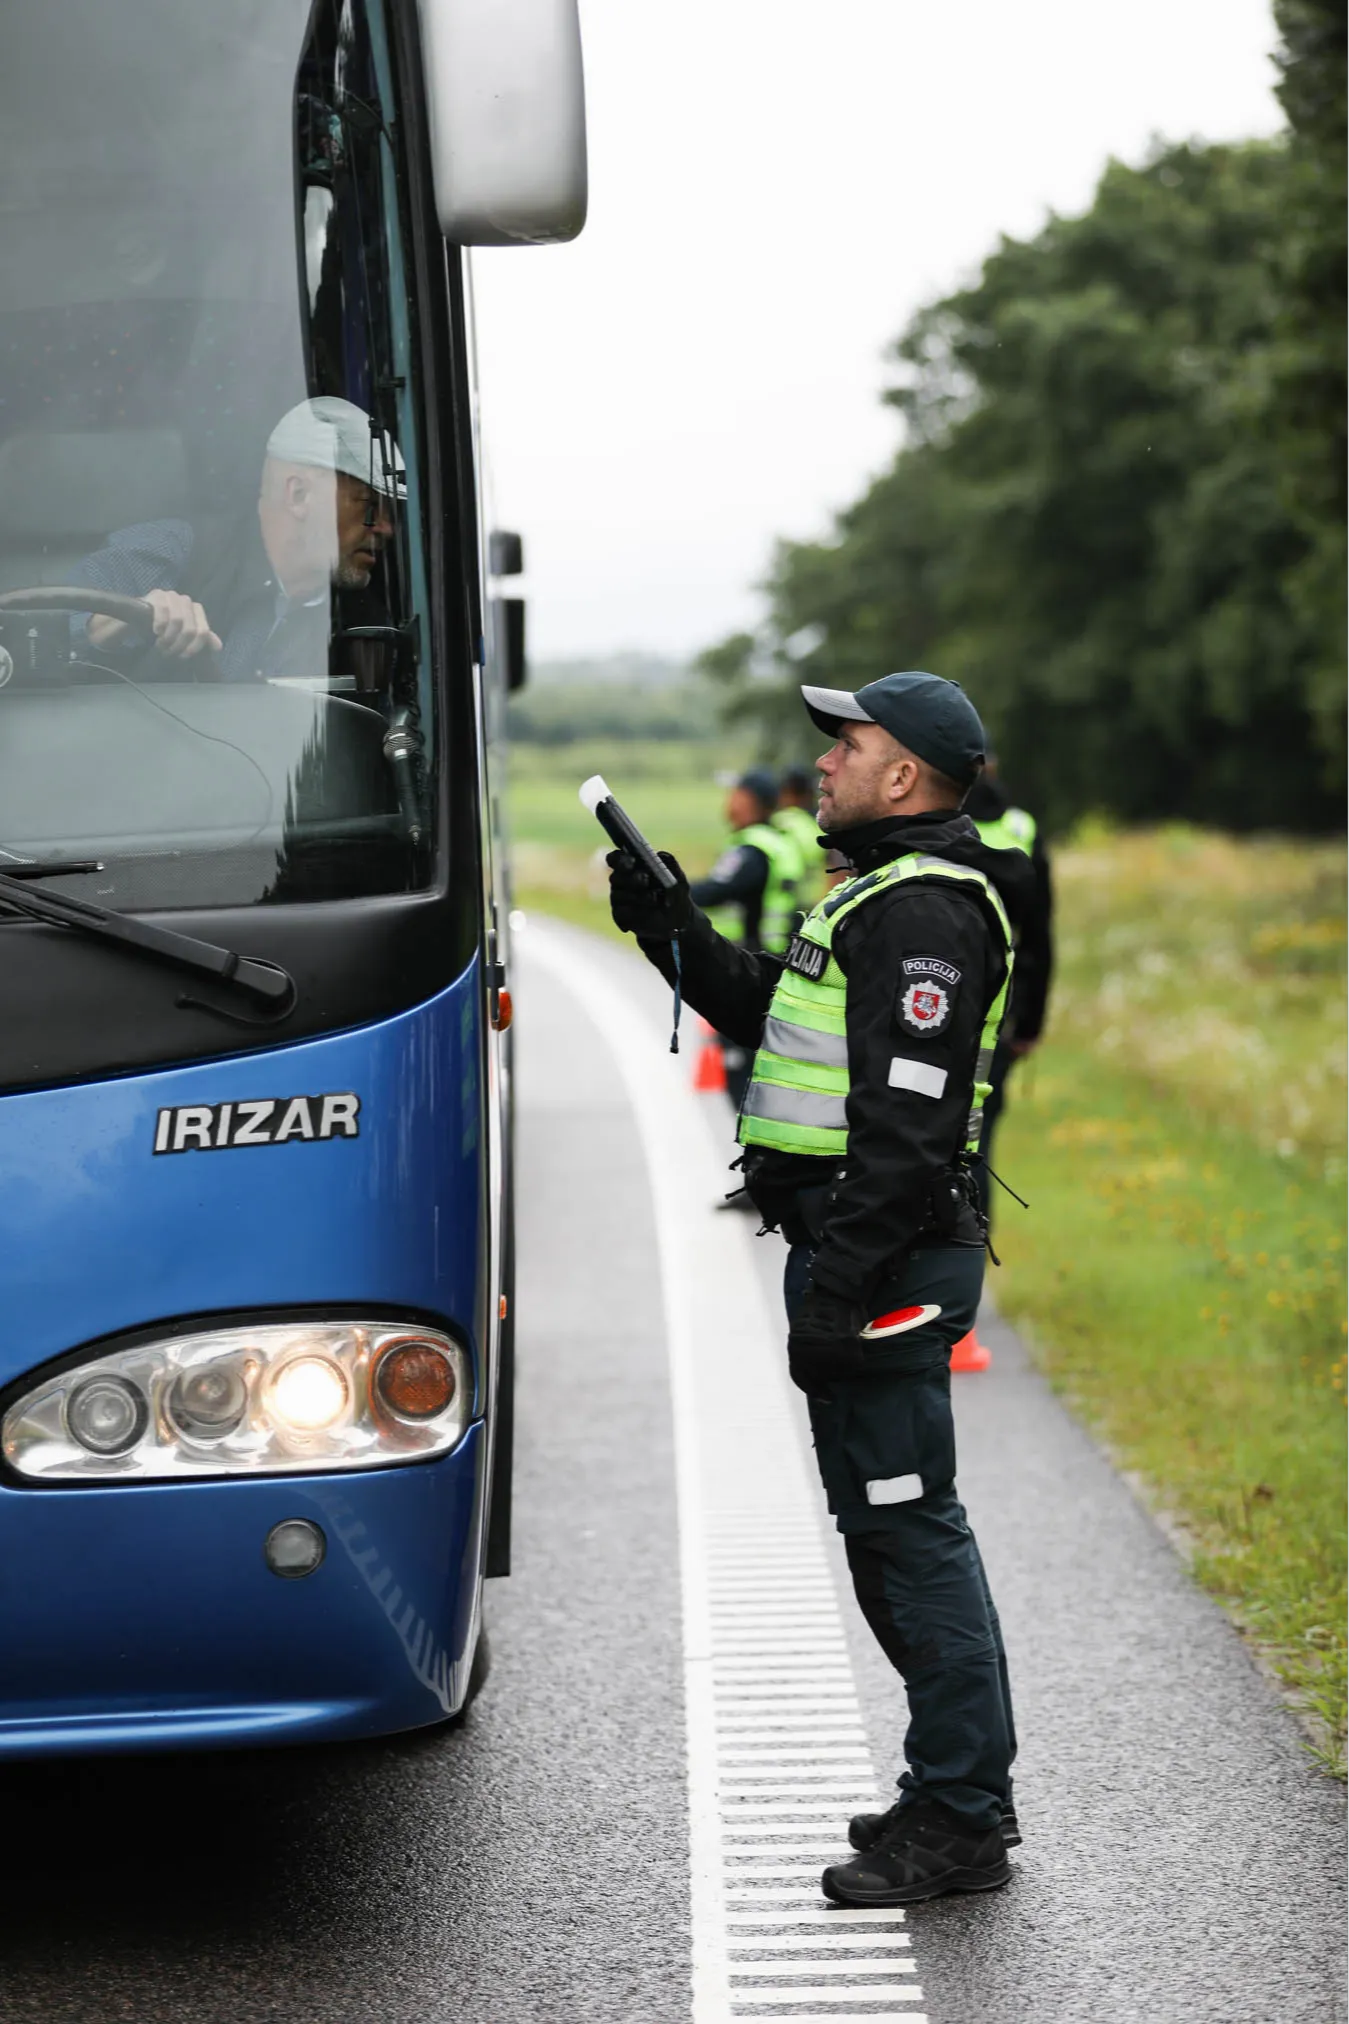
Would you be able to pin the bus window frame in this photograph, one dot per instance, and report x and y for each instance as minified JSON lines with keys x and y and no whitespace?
{"x":356,"y":961}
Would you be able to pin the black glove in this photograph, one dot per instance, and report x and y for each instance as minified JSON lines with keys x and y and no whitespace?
{"x":641,"y":907}
{"x":824,"y":1341}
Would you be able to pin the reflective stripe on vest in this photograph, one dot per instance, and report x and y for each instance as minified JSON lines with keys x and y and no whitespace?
{"x":778,"y":905}
{"x":1013,"y":830}
{"x":797,"y":1097}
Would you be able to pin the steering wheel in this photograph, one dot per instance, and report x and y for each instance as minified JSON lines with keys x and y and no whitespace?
{"x":133,"y":611}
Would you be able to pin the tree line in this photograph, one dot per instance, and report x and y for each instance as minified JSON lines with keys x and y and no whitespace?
{"x":1117,"y":516}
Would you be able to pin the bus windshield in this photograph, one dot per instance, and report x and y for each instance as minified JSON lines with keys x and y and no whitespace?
{"x":214,"y":644}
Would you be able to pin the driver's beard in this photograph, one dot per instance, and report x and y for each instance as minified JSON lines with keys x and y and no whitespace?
{"x":351,"y":575}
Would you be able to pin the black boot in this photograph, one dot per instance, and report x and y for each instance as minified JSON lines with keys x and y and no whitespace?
{"x":866,"y":1829}
{"x":928,"y":1851}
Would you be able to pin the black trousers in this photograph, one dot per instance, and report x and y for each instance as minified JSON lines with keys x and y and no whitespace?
{"x":885,"y":1444}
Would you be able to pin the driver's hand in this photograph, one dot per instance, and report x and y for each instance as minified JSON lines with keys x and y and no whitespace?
{"x":182,"y":628}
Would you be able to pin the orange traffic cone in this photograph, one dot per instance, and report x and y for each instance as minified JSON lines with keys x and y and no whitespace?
{"x":709,"y":1069}
{"x":970,"y":1354}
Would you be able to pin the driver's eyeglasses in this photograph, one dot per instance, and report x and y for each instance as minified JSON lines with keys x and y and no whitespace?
{"x":377,"y":506}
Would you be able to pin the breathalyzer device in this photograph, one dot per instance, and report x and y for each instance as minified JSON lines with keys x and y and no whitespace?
{"x":619,"y":825}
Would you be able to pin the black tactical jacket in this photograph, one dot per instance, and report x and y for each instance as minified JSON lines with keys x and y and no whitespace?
{"x":866,"y":1214}
{"x":738,"y":878}
{"x":985,"y":802}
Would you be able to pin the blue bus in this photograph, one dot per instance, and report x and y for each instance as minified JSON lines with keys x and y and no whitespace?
{"x":255,"y":1169}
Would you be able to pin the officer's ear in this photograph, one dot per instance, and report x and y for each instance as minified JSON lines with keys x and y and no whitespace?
{"x":905,"y":775}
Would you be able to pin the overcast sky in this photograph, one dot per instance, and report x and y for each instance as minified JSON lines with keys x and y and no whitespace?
{"x":775,"y":185}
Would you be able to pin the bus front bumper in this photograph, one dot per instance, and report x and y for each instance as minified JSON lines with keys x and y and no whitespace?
{"x":147,"y":1617}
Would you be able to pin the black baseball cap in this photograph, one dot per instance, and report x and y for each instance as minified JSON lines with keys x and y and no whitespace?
{"x":762,"y":783}
{"x":931,"y":716}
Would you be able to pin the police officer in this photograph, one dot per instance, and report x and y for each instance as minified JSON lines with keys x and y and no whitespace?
{"x":1003,"y":826}
{"x":860,"y":1127}
{"x":795,"y":816}
{"x":750,"y":892}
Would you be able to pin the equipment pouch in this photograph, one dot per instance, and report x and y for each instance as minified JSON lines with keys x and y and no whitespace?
{"x":803,"y":1220}
{"x":954,"y":1214}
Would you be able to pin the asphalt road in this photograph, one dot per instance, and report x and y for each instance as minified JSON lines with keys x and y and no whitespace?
{"x":1182,"y":1859}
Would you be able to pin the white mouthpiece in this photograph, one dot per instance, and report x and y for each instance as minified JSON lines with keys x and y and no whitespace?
{"x":593,"y":791}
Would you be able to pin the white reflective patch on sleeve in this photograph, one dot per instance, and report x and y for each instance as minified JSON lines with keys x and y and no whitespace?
{"x":917,"y":1075}
{"x":894,"y":1489}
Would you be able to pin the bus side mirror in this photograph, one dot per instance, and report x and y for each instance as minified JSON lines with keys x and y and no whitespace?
{"x":506,"y":110}
{"x":511,"y":620}
{"x":505,"y":553}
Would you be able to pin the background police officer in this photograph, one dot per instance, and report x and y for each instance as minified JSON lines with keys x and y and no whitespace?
{"x":750,"y":892}
{"x":795,"y":816}
{"x":1004,"y":826}
{"x":873,"y":1039}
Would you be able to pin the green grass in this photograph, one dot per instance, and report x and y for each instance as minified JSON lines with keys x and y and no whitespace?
{"x":1180,"y":1137}
{"x":1181,"y":1270}
{"x":670,"y":791}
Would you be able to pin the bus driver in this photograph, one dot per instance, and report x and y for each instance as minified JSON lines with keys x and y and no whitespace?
{"x":252,"y":593}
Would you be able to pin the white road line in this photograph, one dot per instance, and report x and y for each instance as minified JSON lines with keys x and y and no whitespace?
{"x":827,"y":1992}
{"x":803,"y":1872}
{"x":757,"y":1729}
{"x":802,"y":1890}
{"x":858,"y":1965}
{"x":740,"y":1772}
{"x":836,"y":1731}
{"x":807,"y":1811}
{"x":740,"y":1698}
{"x":754,"y":1746}
{"x":734,"y":1582}
{"x":839,"y":2016}
{"x":840,"y":1920}
{"x":839,"y":1757}
{"x":791,"y":1786}
{"x":764,"y":1653}
{"x":794,"y":1760}
{"x":754,"y":1953}
{"x":795,"y":1774}
{"x":814,"y":1654}
{"x":780,"y":1650}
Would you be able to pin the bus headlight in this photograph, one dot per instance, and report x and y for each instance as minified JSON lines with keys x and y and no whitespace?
{"x":106,"y":1415}
{"x":307,"y":1395}
{"x":277,"y":1398}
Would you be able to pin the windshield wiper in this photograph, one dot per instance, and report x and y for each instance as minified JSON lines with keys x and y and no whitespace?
{"x":265,"y":981}
{"x":54,"y":867}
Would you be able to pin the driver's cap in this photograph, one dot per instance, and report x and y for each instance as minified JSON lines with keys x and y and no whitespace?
{"x":335,"y":435}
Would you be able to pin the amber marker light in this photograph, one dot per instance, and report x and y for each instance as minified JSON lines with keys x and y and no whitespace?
{"x":415,"y":1380}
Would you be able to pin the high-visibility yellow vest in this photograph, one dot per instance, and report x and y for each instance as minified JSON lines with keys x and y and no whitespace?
{"x":803,"y":829}
{"x":1014,"y":829}
{"x":779,"y":896}
{"x":796,"y":1100}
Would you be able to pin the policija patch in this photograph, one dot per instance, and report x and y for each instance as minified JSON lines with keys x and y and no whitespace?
{"x":808,"y":959}
{"x":266,"y":1121}
{"x":929,"y":994}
